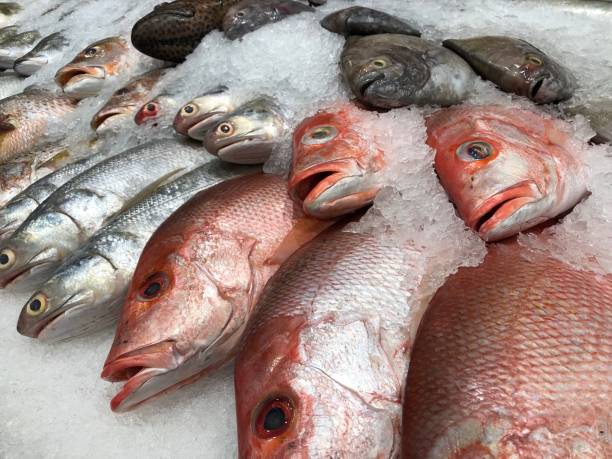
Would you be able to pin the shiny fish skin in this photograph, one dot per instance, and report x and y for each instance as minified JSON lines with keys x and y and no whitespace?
{"x":15,"y":212}
{"x":331,"y":337}
{"x":201,"y":114}
{"x":393,"y":70}
{"x":79,"y":208}
{"x":513,"y":359}
{"x":173,"y":30}
{"x":48,"y":48}
{"x":25,"y":118}
{"x":13,"y":47}
{"x":358,"y":20}
{"x":197,"y":282}
{"x":87,"y":291}
{"x":516,"y":66}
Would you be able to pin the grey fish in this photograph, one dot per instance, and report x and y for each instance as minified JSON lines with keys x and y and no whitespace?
{"x":599,"y":114}
{"x":359,"y":20}
{"x":249,"y":134}
{"x":12,"y":48}
{"x":394,"y":70}
{"x":87,"y":291}
{"x":250,"y":15}
{"x":199,"y":115}
{"x":79,"y":208}
{"x":17,"y":210}
{"x":7,"y":10}
{"x":8,"y":32}
{"x":516,"y":66}
{"x":47,"y":49}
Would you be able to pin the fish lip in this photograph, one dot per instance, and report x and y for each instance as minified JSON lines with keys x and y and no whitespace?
{"x":6,"y":282}
{"x":69,"y":73}
{"x":501,"y":205}
{"x":27,"y":66}
{"x":301,"y":185}
{"x":103,"y":116}
{"x":199,"y":129}
{"x":228,"y":150}
{"x":368,"y":81}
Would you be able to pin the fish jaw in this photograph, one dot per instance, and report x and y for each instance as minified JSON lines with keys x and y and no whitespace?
{"x":81,"y":81}
{"x":109,"y":119}
{"x":198,"y":127}
{"x":27,"y":66}
{"x":247,"y":149}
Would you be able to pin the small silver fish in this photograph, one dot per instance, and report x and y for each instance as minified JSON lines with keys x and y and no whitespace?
{"x":13,"y":47}
{"x":47,"y":49}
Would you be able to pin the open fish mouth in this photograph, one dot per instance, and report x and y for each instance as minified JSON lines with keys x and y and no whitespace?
{"x":500,"y":207}
{"x":108,"y":119}
{"x":333,"y":188}
{"x":201,"y":126}
{"x":369,"y":83}
{"x":74,"y":75}
{"x":251,"y":149}
{"x":4,"y":283}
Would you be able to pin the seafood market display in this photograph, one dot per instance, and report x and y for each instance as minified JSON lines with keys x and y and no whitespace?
{"x":306,"y":229}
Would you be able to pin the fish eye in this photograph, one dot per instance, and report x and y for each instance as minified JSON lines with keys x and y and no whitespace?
{"x":189,"y":109}
{"x":153,"y":287}
{"x":91,"y":51}
{"x":240,"y":13}
{"x":37,"y":305}
{"x":225,"y":129}
{"x":274,"y":417}
{"x":533,"y":59}
{"x":474,"y":151}
{"x":379,"y":63}
{"x":319,"y":135}
{"x":151,"y":108}
{"x":7,"y":259}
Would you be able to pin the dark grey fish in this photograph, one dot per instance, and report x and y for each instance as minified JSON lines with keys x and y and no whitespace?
{"x":599,"y":114}
{"x":7,"y":10}
{"x":8,"y":32}
{"x":359,"y":20}
{"x":250,"y":15}
{"x":516,"y":66}
{"x":13,"y":47}
{"x":394,"y":70}
{"x":48,"y":48}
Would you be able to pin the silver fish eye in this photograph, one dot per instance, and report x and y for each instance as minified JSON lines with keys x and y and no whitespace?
{"x":319,"y":135}
{"x":474,"y":151}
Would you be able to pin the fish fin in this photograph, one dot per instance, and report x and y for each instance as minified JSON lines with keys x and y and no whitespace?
{"x":57,"y":159}
{"x":304,"y":230}
{"x":170,"y":176}
{"x":6,"y":124}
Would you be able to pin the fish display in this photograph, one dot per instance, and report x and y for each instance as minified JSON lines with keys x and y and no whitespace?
{"x":8,"y":10}
{"x":321,"y":369}
{"x":13,"y":47}
{"x":158,"y":111}
{"x":26,"y":117}
{"x":201,"y":114}
{"x":17,"y":210}
{"x":599,"y":114}
{"x":47,"y":49}
{"x":504,"y":168}
{"x":173,"y":30}
{"x":512,"y":359}
{"x":122,"y":105}
{"x":249,"y":15}
{"x":359,"y":20}
{"x":516,"y":66}
{"x":87,"y":291}
{"x":198,"y":281}
{"x":89,"y":71}
{"x":394,"y":70}
{"x":336,"y":168}
{"x":248,"y":134}
{"x":80,"y":207}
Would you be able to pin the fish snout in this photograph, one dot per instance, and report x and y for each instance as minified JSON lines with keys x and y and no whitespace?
{"x":107,"y":119}
{"x":549,"y":88}
{"x":29,"y":65}
{"x":81,"y":81}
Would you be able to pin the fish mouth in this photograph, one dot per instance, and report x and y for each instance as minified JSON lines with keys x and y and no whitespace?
{"x":138,"y":367}
{"x":368,"y":82}
{"x":333,"y":188}
{"x":201,"y":126}
{"x":30,"y":65}
{"x":33,"y":329}
{"x":106,"y":119}
{"x":6,"y":282}
{"x":500,"y":207}
{"x":81,"y":81}
{"x":249,"y":149}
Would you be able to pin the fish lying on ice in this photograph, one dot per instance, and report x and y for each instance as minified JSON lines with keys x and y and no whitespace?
{"x":13,"y":47}
{"x":201,"y":114}
{"x":513,"y":359}
{"x":248,"y":134}
{"x":80,"y":207}
{"x":173,"y":30}
{"x":157,"y":112}
{"x":86,"y":292}
{"x":516,"y":66}
{"x":394,"y":70}
{"x":321,"y":368}
{"x":505,"y":169}
{"x":122,"y":105}
{"x":49,"y":48}
{"x":88,"y":73}
{"x":8,"y":10}
{"x":25,"y":119}
{"x":599,"y":114}
{"x":336,"y":166}
{"x":197,"y":282}
{"x":250,"y":15}
{"x":359,"y":20}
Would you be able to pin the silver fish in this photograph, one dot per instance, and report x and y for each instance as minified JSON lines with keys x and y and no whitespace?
{"x":16,"y":46}
{"x":47,"y":49}
{"x":78,"y":209}
{"x":87,"y":291}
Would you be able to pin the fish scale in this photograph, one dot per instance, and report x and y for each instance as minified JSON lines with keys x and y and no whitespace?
{"x":521,"y":344}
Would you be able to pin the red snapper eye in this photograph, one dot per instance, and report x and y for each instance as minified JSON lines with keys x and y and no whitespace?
{"x":274,"y":417}
{"x":151,"y":109}
{"x":153,"y":287}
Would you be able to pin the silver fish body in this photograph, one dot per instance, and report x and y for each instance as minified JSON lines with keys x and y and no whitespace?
{"x":87,"y":291}
{"x":47,"y":49}
{"x":78,"y":209}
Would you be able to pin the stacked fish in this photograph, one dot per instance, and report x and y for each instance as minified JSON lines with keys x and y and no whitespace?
{"x":198,"y":257}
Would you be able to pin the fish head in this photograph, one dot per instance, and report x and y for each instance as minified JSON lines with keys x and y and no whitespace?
{"x":381,"y":72}
{"x":174,"y":319}
{"x":500,"y":167}
{"x":247,"y":135}
{"x":70,"y":302}
{"x":86,"y":74}
{"x":544,"y":79}
{"x":334,"y":164}
{"x":40,"y":56}
{"x":243,"y":18}
{"x":197,"y":117}
{"x":155,"y":110}
{"x":16,"y":46}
